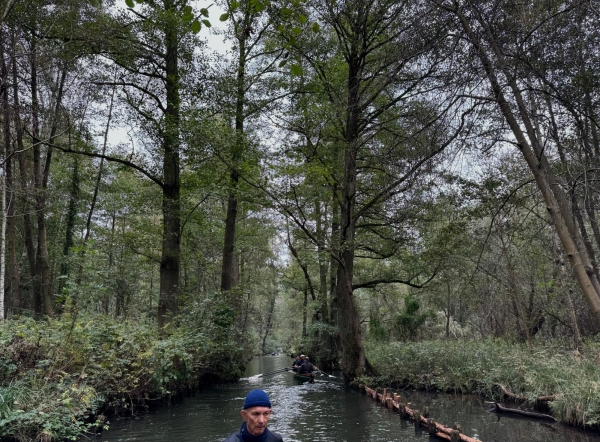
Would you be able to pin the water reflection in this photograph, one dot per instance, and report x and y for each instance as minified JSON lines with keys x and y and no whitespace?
{"x":324,"y":412}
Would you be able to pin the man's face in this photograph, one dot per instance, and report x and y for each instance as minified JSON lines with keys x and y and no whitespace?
{"x":256,"y":419}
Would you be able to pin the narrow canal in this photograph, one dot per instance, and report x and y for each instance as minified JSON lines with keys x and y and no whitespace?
{"x":325,"y":411}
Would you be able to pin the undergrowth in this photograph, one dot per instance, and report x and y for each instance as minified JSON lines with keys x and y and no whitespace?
{"x":467,"y":366}
{"x":59,"y":377}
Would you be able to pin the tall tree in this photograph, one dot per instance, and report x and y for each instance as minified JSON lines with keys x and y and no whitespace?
{"x":152,"y":49}
{"x":503,"y":39}
{"x":375,"y":70}
{"x":255,"y":57}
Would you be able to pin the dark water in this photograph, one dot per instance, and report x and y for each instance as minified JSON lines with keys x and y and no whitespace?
{"x":322,"y":412}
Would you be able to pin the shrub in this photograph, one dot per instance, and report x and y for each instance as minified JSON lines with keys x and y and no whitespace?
{"x":57,"y":375}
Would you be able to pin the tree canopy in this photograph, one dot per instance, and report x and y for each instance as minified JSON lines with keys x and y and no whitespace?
{"x":342,"y":172}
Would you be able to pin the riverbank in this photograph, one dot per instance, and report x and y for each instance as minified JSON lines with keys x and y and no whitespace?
{"x":569,"y":379}
{"x":60,"y":378}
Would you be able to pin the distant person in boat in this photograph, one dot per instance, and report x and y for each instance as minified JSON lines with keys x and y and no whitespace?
{"x":256,"y":413}
{"x":307,"y":366}
{"x":298,"y":362}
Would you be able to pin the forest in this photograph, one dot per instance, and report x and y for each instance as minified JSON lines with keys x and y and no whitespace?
{"x":345,"y":179}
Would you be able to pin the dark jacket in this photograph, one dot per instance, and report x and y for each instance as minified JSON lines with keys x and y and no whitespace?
{"x":237,"y":436}
{"x":307,"y":367}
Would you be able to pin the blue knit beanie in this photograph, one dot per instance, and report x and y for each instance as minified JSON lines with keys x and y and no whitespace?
{"x":257,"y":398}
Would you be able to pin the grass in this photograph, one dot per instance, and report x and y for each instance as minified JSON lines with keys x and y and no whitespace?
{"x":470,"y":366}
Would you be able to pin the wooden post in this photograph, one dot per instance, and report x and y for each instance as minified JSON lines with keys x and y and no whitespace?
{"x":431,"y":428}
{"x":417,"y":418}
{"x":402,"y":409}
{"x":389,"y":403}
{"x":425,"y":412}
{"x":455,"y":436}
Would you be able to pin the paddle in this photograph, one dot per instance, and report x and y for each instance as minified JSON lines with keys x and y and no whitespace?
{"x":275,"y":372}
{"x":280,"y":370}
{"x":321,"y":371}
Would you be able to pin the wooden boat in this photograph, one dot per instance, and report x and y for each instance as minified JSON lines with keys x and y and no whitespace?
{"x":305,"y":377}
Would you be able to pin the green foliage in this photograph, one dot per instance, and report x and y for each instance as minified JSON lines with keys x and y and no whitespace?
{"x":469,"y":366}
{"x":377,"y":331}
{"x":54,"y":409}
{"x":56,"y":376}
{"x":408,"y":322}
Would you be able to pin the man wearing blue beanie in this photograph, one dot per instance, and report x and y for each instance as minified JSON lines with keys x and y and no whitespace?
{"x":256,"y":413}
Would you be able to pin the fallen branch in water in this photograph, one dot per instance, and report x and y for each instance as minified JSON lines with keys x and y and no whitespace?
{"x":500,"y":409}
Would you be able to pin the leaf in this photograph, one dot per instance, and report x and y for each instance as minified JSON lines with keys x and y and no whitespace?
{"x":130,"y":3}
{"x":196,"y":26}
{"x":206,"y":23}
{"x":296,"y":30}
{"x":302,"y":19}
{"x":188,"y":14}
{"x":282,"y":63}
{"x":316,"y":28}
{"x":295,"y":69}
{"x":204,"y":12}
{"x":224,"y":17}
{"x":234,"y":5}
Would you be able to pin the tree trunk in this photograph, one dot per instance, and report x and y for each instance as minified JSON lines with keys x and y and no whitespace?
{"x":15,"y":291}
{"x":448,"y":306}
{"x":304,"y":313}
{"x":269,"y":324}
{"x":42,"y":267}
{"x":106,"y":298}
{"x":23,"y":168}
{"x":171,"y":204}
{"x":237,"y":151}
{"x":3,"y":245}
{"x":353,"y":356}
{"x":70,"y":224}
{"x":229,"y":241}
{"x":323,"y":264}
{"x":333,"y":264}
{"x":120,"y":288}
